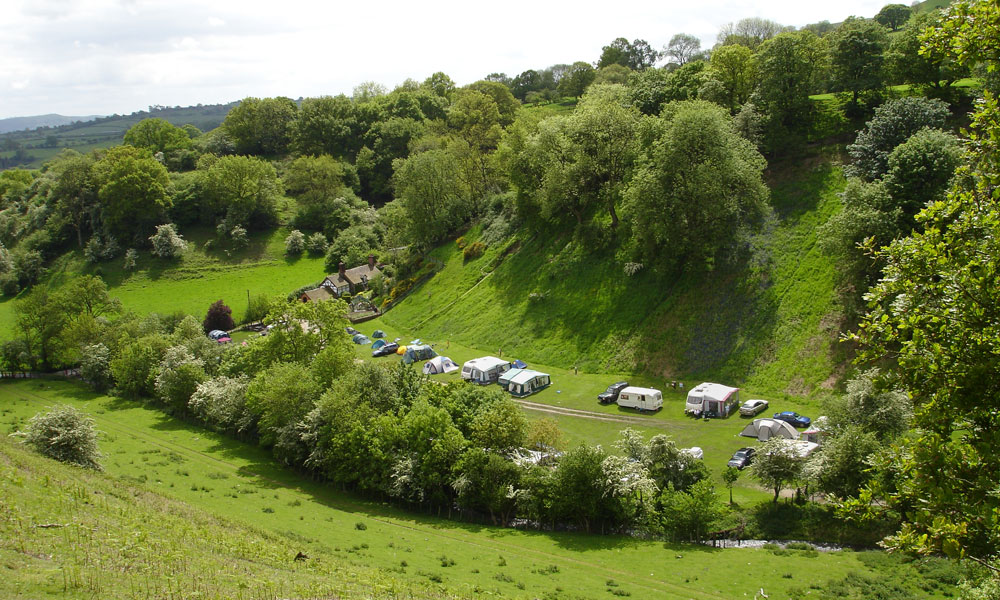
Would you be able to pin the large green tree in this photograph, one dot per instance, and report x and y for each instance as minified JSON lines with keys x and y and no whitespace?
{"x":157,"y":135}
{"x":734,"y":66}
{"x":262,"y":126}
{"x":133,"y":192}
{"x":934,"y":314}
{"x":328,"y":125}
{"x":857,"y":56}
{"x":244,"y":190}
{"x":697,"y":184}
{"x":787,"y":65}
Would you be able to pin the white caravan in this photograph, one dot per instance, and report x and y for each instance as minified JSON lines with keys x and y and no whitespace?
{"x":640,"y":398}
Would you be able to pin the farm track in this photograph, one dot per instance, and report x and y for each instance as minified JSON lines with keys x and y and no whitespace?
{"x":339,"y":502}
{"x":586,"y":414}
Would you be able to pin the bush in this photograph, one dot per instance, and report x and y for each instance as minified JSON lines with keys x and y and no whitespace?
{"x":295,"y":243}
{"x":95,"y":366}
{"x":98,"y":249}
{"x":66,"y":435}
{"x":167,"y":243}
{"x":238,"y":237}
{"x":474,"y":250}
{"x":131,"y":260}
{"x":316,"y":244}
{"x":219,"y":316}
{"x":461,"y":243}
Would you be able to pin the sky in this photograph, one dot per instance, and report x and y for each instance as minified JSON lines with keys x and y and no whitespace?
{"x":98,"y":57}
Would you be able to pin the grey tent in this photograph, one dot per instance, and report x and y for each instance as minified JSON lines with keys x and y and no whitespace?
{"x":378,"y":334}
{"x":360,"y":338}
{"x":439,"y":364}
{"x":415,"y":353}
{"x":765,"y":429}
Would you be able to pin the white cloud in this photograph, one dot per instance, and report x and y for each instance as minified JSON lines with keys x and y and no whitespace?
{"x":103,"y":56}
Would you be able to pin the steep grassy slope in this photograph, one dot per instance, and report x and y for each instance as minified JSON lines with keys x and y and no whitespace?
{"x":73,"y":533}
{"x":770,"y":321}
{"x":193,"y":514}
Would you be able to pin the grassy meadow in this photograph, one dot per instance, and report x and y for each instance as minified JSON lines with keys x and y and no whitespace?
{"x":228,"y":521}
{"x":195,"y":280}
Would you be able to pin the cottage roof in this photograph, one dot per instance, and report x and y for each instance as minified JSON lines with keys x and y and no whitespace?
{"x":320,"y":293}
{"x":356,"y":276}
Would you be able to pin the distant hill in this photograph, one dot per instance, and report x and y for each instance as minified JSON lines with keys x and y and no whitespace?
{"x":50,"y":120}
{"x":29,"y":149}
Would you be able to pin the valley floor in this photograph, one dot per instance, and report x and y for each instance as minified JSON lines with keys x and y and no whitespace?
{"x":237,"y":482}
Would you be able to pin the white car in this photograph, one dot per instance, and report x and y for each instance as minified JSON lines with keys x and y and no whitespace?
{"x":753,"y":407}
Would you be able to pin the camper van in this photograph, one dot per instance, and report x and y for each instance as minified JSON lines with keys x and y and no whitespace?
{"x":484,"y":370}
{"x":712,"y":400}
{"x":640,"y":398}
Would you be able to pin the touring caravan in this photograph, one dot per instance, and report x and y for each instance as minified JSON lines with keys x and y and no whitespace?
{"x":484,"y":370}
{"x":640,"y":398}
{"x":526,"y":382}
{"x":712,"y":400}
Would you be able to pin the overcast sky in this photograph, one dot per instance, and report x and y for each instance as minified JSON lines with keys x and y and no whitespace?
{"x":82,"y":57}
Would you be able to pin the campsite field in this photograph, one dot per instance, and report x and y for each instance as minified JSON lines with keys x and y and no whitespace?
{"x":243,"y":484}
{"x":719,"y":438}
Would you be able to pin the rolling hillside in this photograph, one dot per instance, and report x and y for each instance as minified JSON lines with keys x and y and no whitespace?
{"x":29,"y":149}
{"x":770,"y":321}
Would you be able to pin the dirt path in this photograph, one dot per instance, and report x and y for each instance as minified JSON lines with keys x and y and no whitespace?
{"x":586,"y":414}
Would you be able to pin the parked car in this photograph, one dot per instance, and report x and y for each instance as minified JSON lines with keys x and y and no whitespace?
{"x":610,"y":395}
{"x":793,"y":418}
{"x":386,"y":350}
{"x":217,"y":333}
{"x":741,"y":458}
{"x":753,"y":407}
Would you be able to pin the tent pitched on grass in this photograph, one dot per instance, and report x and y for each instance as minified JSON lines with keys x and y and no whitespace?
{"x":378,"y":344}
{"x":439,"y":364}
{"x":378,"y":334}
{"x":415,"y":353}
{"x":765,"y":429}
{"x":526,"y":382}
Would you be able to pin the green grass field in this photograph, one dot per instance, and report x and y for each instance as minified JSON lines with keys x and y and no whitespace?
{"x":195,"y":280}
{"x":257,"y":515}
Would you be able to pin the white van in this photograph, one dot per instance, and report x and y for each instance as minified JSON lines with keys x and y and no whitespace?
{"x":640,"y":398}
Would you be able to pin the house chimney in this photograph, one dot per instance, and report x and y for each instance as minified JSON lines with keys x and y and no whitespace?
{"x":343,"y":271}
{"x":371,"y":262}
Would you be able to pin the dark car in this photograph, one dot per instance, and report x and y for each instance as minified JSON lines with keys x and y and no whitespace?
{"x":610,"y":395}
{"x":793,"y":418}
{"x":386,"y":350}
{"x":742,"y":458}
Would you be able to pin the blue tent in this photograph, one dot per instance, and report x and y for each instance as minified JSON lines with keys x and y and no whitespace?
{"x":519,"y":364}
{"x":378,"y":334}
{"x":415,"y":353}
{"x":378,"y":344}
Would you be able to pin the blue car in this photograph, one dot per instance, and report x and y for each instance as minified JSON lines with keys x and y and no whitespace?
{"x":793,"y":418}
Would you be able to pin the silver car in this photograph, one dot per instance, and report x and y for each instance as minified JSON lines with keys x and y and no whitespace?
{"x":753,"y":407}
